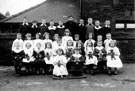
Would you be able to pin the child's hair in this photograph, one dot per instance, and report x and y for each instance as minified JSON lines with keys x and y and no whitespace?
{"x":46,"y":33}
{"x":108,"y":34}
{"x":28,"y":35}
{"x":113,"y":41}
{"x":71,"y":42}
{"x":60,"y":49}
{"x":67,"y":31}
{"x":38,"y":34}
{"x":55,"y":36}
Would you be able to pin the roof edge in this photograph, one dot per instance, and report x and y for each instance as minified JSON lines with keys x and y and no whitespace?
{"x":22,"y":12}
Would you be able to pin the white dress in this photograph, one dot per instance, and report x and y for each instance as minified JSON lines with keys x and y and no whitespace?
{"x":116,"y":61}
{"x":28,"y":52}
{"x":60,"y":70}
{"x":86,"y":42}
{"x":17,"y":45}
{"x":65,"y":39}
{"x":50,"y":53}
{"x":90,"y":60}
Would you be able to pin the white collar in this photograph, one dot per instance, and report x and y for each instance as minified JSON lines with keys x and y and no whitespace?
{"x":60,"y":26}
{"x":25,"y":23}
{"x":34,"y":25}
{"x":107,"y":26}
{"x":43,"y":25}
{"x":81,"y":24}
{"x":99,"y":27}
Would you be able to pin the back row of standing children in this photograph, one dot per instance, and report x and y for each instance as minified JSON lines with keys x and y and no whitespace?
{"x":75,"y":28}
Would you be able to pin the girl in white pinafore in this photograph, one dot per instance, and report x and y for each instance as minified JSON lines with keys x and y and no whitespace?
{"x":59,"y":63}
{"x":90,"y":58}
{"x":113,"y":59}
{"x":28,"y":49}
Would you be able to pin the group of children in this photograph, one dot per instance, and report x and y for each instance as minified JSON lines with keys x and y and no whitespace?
{"x":65,"y":55}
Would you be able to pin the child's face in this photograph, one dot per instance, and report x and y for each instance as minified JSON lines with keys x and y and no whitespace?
{"x":107,"y":22}
{"x":99,"y":44}
{"x":59,"y":52}
{"x":56,"y":37}
{"x":90,"y":20}
{"x":108,"y":36}
{"x":67,"y":33}
{"x":38,"y":45}
{"x":28,"y":45}
{"x":97,"y":23}
{"x":112,"y":44}
{"x":28,"y":38}
{"x":60,"y":23}
{"x":43,"y":21}
{"x":70,"y":43}
{"x":81,"y":22}
{"x":19,"y":36}
{"x":47,"y":36}
{"x":52,"y":23}
{"x":90,"y":36}
{"x":37,"y":36}
{"x":99,"y":38}
{"x":76,"y":38}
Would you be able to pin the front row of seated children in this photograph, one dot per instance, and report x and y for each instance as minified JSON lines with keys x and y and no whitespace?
{"x":63,"y":57}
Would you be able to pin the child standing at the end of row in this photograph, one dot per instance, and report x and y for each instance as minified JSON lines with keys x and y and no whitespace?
{"x":113,"y":60}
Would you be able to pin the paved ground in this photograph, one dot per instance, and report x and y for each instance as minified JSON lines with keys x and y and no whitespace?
{"x":125,"y":81}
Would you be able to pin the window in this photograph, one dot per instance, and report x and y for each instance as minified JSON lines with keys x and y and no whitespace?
{"x":119,"y":25}
{"x":131,"y":25}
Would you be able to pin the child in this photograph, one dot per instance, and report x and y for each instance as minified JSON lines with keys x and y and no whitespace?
{"x":60,"y":28}
{"x":106,"y":29}
{"x":17,"y":49}
{"x":28,"y":52}
{"x":47,"y":39}
{"x":79,"y":44}
{"x":69,"y":48}
{"x":108,"y":40}
{"x":82,"y":30}
{"x":76,"y":63}
{"x":97,"y":29}
{"x":34,"y":28}
{"x":38,"y":40}
{"x":113,"y":60}
{"x":91,"y":60}
{"x":39,"y":55}
{"x":100,"y":53}
{"x":57,"y":44}
{"x":48,"y":56}
{"x":52,"y":29}
{"x":59,"y":63}
{"x":90,"y":27}
{"x":90,"y":39}
{"x":66,"y":37}
{"x":43,"y":28}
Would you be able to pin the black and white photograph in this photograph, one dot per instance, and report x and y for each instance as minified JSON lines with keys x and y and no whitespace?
{"x":67,"y":45}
